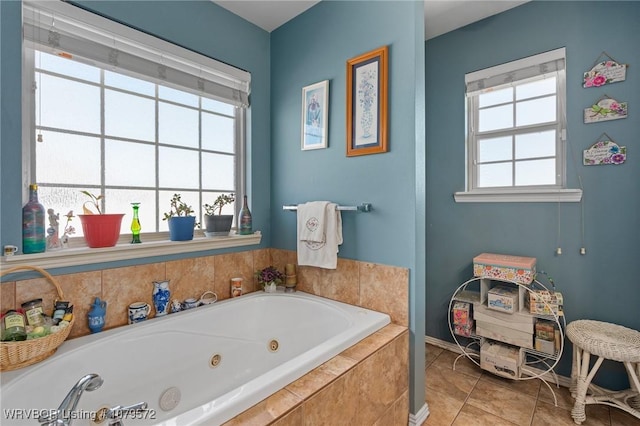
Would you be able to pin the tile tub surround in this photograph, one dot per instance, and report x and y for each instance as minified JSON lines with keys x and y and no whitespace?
{"x":351,"y":388}
{"x":372,"y":286}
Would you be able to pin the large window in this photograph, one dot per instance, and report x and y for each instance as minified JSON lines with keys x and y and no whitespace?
{"x":107,"y":115}
{"x":516,"y":126}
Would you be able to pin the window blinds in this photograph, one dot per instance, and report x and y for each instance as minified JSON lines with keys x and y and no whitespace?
{"x":69,"y":31}
{"x":518,"y":71}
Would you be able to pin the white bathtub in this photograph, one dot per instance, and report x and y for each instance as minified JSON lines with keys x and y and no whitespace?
{"x":141,"y":361}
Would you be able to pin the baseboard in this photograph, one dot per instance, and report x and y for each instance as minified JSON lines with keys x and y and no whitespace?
{"x":562,"y":380}
{"x":420,"y":417}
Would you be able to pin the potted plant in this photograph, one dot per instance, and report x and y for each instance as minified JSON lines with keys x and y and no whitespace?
{"x":269,"y":278}
{"x":181,"y":221}
{"x":216,"y":223}
{"x":100,"y":229}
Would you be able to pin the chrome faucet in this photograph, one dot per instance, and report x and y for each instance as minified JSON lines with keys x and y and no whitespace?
{"x":116,"y":414}
{"x":63,"y":415}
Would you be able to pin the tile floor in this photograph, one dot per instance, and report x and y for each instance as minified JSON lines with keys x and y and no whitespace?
{"x":469,"y":396}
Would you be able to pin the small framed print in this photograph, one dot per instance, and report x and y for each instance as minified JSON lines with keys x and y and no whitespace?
{"x":367,"y":103}
{"x":315,"y":109}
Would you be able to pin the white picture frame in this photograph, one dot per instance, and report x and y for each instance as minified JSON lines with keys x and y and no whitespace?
{"x":315,"y":116}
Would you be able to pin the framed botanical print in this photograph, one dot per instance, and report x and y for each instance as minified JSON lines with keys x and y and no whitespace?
{"x":367,"y":81}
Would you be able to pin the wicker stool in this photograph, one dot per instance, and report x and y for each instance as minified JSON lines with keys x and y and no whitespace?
{"x":607,"y":341}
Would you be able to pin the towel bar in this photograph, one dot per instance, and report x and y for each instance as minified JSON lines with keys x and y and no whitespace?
{"x":364,"y":207}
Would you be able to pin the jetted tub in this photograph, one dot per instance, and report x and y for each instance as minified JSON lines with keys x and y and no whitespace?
{"x":222,"y":358}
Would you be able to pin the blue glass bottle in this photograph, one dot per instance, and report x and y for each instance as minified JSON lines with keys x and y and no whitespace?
{"x":33,"y":231}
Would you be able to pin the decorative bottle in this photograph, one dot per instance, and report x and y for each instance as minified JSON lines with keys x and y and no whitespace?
{"x":161,"y":297}
{"x":135,"y":224}
{"x":96,"y":315}
{"x":245,"y":223}
{"x":33,"y":232}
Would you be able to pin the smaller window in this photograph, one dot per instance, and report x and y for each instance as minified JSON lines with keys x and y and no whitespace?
{"x":515,"y":127}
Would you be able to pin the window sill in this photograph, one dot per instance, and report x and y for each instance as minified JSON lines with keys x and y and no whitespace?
{"x":124,"y":251}
{"x":520,"y":196}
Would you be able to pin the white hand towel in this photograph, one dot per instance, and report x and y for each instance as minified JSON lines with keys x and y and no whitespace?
{"x":311,"y":221}
{"x":323,"y":254}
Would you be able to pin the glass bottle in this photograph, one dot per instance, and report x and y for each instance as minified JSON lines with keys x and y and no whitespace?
{"x":33,"y":231}
{"x":13,"y":326}
{"x":245,"y":224}
{"x":135,"y":224}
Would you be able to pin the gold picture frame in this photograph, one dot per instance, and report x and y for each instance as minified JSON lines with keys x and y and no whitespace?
{"x":367,"y":98}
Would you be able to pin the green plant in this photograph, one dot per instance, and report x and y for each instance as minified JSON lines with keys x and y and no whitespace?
{"x":95,"y":200}
{"x":178,"y":208}
{"x":219,"y":203}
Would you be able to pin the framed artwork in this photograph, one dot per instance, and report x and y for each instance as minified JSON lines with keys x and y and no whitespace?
{"x":315,"y":107}
{"x":367,"y":80}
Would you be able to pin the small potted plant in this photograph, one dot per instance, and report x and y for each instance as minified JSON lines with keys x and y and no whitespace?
{"x":216,"y":223}
{"x":100,"y":229}
{"x":181,"y":220}
{"x":269,"y":278}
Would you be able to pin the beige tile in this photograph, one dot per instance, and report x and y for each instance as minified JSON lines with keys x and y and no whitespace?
{"x":443,"y":408}
{"x":508,"y":404}
{"x":401,"y":410}
{"x":310,"y":383}
{"x":366,"y":346}
{"x":81,"y":290}
{"x":387,"y":418}
{"x":385,"y":289}
{"x":338,"y":284}
{"x":563,"y":395}
{"x":621,"y":418}
{"x":383,"y":379}
{"x":232,"y":265}
{"x":472,"y":416}
{"x":454,"y":383}
{"x":267,"y":410}
{"x":463,"y":364}
{"x":7,"y":296}
{"x":548,"y":415}
{"x":529,"y":387}
{"x":333,"y":405}
{"x":293,"y":418}
{"x":432,"y":352}
{"x":190,"y":277}
{"x":279,"y":258}
{"x":123,"y":286}
{"x":261,"y":259}
{"x":338,"y":365}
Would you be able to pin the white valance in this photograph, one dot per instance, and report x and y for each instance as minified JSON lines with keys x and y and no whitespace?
{"x":63,"y":29}
{"x":518,"y":71}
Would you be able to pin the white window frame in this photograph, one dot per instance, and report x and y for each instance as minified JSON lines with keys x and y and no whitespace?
{"x":513,"y":74}
{"x":217,"y":78}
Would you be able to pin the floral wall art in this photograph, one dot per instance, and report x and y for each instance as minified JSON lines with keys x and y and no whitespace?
{"x":604,"y":152}
{"x":605,"y":109}
{"x":604,"y":72}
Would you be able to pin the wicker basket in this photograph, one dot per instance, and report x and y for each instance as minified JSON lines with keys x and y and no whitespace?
{"x":14,"y":355}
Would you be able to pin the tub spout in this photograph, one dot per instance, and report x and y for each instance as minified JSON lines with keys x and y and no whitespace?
{"x":63,"y":415}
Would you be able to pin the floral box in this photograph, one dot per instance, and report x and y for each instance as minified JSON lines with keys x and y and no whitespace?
{"x":505,"y":267}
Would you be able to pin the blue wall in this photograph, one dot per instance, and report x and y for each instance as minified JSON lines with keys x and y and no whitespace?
{"x":601,"y":285}
{"x":314,"y":47}
{"x":202,"y":27}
